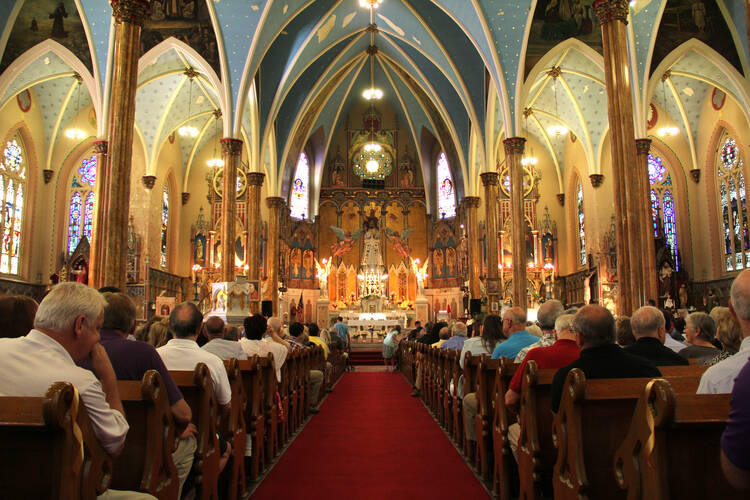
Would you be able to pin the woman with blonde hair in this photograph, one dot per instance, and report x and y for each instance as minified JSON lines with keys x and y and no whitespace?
{"x":728,"y":332}
{"x":158,"y":334}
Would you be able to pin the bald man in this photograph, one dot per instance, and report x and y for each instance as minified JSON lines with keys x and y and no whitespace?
{"x":514,"y":328}
{"x":218,"y":343}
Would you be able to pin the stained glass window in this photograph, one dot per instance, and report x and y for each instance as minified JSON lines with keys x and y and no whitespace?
{"x":164,"y":225}
{"x":82,"y":203}
{"x":733,"y":206}
{"x":299,"y":199}
{"x":663,"y":204}
{"x":12,"y":183}
{"x":446,"y":193}
{"x":581,"y":225}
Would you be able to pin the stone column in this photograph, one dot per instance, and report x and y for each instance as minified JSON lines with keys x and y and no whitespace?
{"x":513,"y":154}
{"x":128,"y":16}
{"x":231,"y":150}
{"x":96,"y":258}
{"x":275,"y":206}
{"x":253,"y":224}
{"x":491,"y":181}
{"x":642,"y":147}
{"x":472,"y":233}
{"x":613,"y":16}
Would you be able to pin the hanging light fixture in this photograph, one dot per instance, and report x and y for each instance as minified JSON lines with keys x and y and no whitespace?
{"x":666,"y":131}
{"x":372,"y":94}
{"x":216,"y":160}
{"x":188,"y":130}
{"x":530,"y":160}
{"x":556,"y":129}
{"x":75,"y":132}
{"x":370,"y":4}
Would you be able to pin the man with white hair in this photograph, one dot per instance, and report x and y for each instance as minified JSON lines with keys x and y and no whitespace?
{"x":457,"y":340}
{"x":719,"y":378}
{"x":546,"y":317}
{"x":514,"y":328}
{"x":648,"y":325}
{"x":66,"y":331}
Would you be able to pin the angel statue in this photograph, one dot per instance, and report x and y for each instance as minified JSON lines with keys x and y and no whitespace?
{"x":345,"y":241}
{"x":322,"y":274}
{"x":400,"y":242}
{"x":420,"y":272}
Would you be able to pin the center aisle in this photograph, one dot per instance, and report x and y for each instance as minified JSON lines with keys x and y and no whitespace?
{"x":371,"y":440}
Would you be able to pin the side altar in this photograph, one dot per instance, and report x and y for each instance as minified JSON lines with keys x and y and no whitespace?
{"x":233,"y":301}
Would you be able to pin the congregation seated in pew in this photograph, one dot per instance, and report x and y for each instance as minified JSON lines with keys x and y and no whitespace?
{"x":262,"y":338}
{"x":222,"y":340}
{"x":16,"y":315}
{"x":458,"y":337}
{"x":516,"y":335}
{"x":546,"y":317}
{"x":728,"y":333}
{"x":648,"y":325}
{"x":700,"y":331}
{"x":297,"y":342}
{"x":65,"y":332}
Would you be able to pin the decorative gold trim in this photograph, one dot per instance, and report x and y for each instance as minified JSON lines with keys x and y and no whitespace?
{"x":490,"y":178}
{"x":231,"y":146}
{"x":612,"y":10}
{"x":131,"y":11}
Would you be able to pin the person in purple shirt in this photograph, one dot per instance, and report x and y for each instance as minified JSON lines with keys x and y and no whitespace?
{"x":735,"y":442}
{"x":131,"y":359}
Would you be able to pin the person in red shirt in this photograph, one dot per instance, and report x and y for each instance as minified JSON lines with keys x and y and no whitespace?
{"x":564,"y":351}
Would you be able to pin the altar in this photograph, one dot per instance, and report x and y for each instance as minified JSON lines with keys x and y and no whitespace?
{"x":373,"y":326}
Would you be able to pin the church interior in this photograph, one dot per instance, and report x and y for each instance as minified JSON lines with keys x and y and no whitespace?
{"x":384,"y":161}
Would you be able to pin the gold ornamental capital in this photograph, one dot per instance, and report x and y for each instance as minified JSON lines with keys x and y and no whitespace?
{"x":490,"y":178}
{"x":642,"y":146}
{"x":275,"y":202}
{"x":612,"y":10}
{"x":231,"y":146}
{"x":130,"y":11}
{"x":255,"y":178}
{"x":472,"y":201}
{"x":101,"y":147}
{"x":514,"y":145}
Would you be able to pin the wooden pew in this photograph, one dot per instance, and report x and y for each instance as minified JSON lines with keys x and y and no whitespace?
{"x":145,"y":464}
{"x":254,"y":419}
{"x":198,"y":390}
{"x":283,"y":389}
{"x":501,"y":419}
{"x":270,"y":407}
{"x":672,"y":447}
{"x":485,"y":389}
{"x":457,"y":418}
{"x":39,"y":434}
{"x":234,"y":431}
{"x":470,"y":375}
{"x":96,"y":473}
{"x":592,"y":421}
{"x":446,"y":398}
{"x":536,"y":452}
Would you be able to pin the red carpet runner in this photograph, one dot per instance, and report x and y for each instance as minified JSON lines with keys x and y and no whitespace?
{"x":371,"y":440}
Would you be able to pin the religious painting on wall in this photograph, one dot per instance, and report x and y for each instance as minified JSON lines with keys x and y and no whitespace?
{"x":164,"y":306}
{"x":39,"y":20}
{"x":701,"y":19}
{"x":302,"y":259}
{"x":444,"y":258}
{"x":199,"y":253}
{"x":557,"y":20}
{"x":186,"y":20}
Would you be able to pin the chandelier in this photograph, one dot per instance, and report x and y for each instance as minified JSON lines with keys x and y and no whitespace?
{"x":370,"y":4}
{"x":215,"y":160}
{"x":187,"y":130}
{"x":666,"y":131}
{"x":74,"y":132}
{"x":528,"y":161}
{"x":556,"y":129}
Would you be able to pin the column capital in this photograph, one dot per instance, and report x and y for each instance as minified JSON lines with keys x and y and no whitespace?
{"x":472,"y":201}
{"x":130,"y":11}
{"x":514,"y":145}
{"x":642,"y":146}
{"x":612,"y":10}
{"x":255,"y":178}
{"x":275,"y":202}
{"x":149,"y":181}
{"x":185,"y":198}
{"x":490,"y":178}
{"x":101,"y":147}
{"x":231,"y":146}
{"x":596,"y":180}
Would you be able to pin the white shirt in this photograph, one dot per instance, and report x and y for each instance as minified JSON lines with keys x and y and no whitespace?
{"x":225,"y":349}
{"x":184,"y":354}
{"x":673,"y":344}
{"x":262,"y":348}
{"x":30,"y":365}
{"x":719,"y":378}
{"x":474,"y":346}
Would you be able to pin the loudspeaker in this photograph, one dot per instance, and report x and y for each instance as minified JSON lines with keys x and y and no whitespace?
{"x":475,"y":306}
{"x":266,"y":308}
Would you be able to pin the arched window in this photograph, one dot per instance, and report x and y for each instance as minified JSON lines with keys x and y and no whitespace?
{"x":164,"y":225}
{"x":581,"y":225}
{"x":731,"y":185}
{"x":81,"y":205}
{"x":446,"y":193}
{"x":299,"y":199}
{"x":12,"y":186}
{"x":663,"y":204}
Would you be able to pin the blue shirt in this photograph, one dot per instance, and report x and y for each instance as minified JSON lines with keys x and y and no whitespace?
{"x":342,"y":330}
{"x":515,"y":343}
{"x":455,"y":342}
